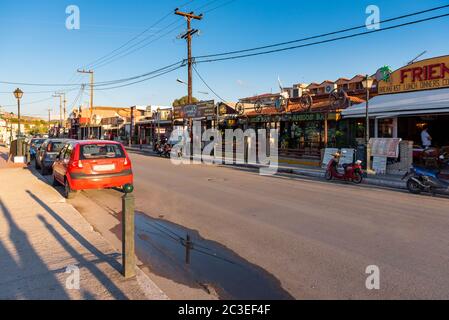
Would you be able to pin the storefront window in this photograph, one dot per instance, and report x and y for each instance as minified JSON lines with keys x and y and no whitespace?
{"x":385,"y":128}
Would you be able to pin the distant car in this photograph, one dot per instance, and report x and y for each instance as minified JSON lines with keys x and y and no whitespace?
{"x":92,"y":164}
{"x":35,"y":144}
{"x":47,"y":154}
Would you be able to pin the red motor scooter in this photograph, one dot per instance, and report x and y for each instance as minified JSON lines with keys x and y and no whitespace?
{"x":352,"y":171}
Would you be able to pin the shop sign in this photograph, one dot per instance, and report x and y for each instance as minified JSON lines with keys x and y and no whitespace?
{"x":423,"y":75}
{"x":198,"y":110}
{"x":299,"y":117}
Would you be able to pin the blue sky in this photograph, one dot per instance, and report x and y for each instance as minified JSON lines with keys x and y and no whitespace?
{"x":36,"y":47}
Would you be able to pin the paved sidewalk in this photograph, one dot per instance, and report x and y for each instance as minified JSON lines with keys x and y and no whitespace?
{"x":41,"y":236}
{"x":4,"y":159}
{"x":389,"y":181}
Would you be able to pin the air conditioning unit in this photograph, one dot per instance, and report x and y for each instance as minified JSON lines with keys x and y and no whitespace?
{"x":330,"y":87}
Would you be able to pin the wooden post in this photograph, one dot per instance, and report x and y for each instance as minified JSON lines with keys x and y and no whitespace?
{"x":128,"y":246}
{"x":326,"y":130}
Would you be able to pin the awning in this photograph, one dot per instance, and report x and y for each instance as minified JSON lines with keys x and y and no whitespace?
{"x":401,"y":104}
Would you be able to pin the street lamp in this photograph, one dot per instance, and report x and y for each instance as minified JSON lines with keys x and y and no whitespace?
{"x":367,"y":84}
{"x":18,"y":94}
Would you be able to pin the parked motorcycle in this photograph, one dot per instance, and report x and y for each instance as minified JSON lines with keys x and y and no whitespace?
{"x":426,"y":180}
{"x":166,"y":150}
{"x":351,"y":172}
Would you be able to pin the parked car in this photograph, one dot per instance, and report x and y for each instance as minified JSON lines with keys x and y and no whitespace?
{"x":47,"y":154}
{"x":35,"y":144}
{"x":92,"y":164}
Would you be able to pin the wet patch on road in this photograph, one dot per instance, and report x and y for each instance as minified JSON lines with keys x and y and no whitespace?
{"x":161,"y":246}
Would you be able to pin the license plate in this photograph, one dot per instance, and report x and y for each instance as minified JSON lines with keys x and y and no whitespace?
{"x":104,"y":167}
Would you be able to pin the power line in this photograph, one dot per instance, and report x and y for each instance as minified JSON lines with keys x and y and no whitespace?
{"x":143,"y":80}
{"x":135,"y":47}
{"x":220,"y":6}
{"x":124,"y":54}
{"x":29,"y":103}
{"x":320,"y":35}
{"x":201,"y":78}
{"x":325,"y":41}
{"x":106,"y":57}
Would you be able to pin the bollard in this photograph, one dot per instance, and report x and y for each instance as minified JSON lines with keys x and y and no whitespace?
{"x":128,"y":246}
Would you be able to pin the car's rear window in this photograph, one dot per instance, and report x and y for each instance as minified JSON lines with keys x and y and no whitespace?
{"x":38,"y":142}
{"x":55,"y":146}
{"x":101,"y":151}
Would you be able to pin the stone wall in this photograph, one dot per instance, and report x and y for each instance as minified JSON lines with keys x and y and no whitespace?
{"x":406,"y":159}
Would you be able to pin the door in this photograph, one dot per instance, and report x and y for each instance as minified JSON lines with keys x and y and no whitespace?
{"x":67,"y":155}
{"x":58,"y":169}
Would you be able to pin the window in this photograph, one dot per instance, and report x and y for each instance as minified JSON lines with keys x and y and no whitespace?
{"x":101,"y":151}
{"x":68,"y":152}
{"x":55,"y":146}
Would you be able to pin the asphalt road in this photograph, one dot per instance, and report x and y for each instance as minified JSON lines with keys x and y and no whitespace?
{"x":317,"y":238}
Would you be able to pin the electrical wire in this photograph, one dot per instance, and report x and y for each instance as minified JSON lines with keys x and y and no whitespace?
{"x":29,"y":103}
{"x":321,"y":35}
{"x":101,"y":60}
{"x":135,"y":47}
{"x":323,"y":41}
{"x":140,"y":81}
{"x":220,"y":6}
{"x":205,"y":83}
{"x":125,"y":54}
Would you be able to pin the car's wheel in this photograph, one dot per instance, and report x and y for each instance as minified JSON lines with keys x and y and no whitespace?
{"x":44,"y":171}
{"x":36,"y":165}
{"x":55,"y":182}
{"x":328,"y":175}
{"x":68,"y":192}
{"x":413,"y":186}
{"x":358,"y":178}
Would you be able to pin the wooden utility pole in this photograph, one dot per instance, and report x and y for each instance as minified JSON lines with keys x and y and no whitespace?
{"x":58,"y":95}
{"x":49,"y":120}
{"x":65,"y":103}
{"x":91,"y":72}
{"x":188,"y":36}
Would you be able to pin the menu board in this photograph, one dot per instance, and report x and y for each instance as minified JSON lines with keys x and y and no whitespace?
{"x":328,"y":152}
{"x":380,"y":165}
{"x":347,"y":156}
{"x":385,"y":147}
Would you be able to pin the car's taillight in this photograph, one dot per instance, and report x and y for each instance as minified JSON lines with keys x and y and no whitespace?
{"x":77,"y":164}
{"x":126,"y":162}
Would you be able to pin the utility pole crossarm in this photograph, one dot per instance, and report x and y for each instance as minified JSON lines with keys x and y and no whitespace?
{"x":190,"y":15}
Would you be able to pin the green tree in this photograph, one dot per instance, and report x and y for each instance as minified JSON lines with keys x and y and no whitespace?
{"x":183,"y":101}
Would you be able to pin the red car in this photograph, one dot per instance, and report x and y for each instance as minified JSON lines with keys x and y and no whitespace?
{"x":91,"y":164}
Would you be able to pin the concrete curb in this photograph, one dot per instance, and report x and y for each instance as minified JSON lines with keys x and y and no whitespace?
{"x":380,"y":182}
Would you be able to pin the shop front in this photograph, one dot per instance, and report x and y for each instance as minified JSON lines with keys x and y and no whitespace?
{"x":301,"y":135}
{"x":409,"y":100}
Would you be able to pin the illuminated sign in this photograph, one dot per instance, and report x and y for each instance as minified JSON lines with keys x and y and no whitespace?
{"x":423,"y":75}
